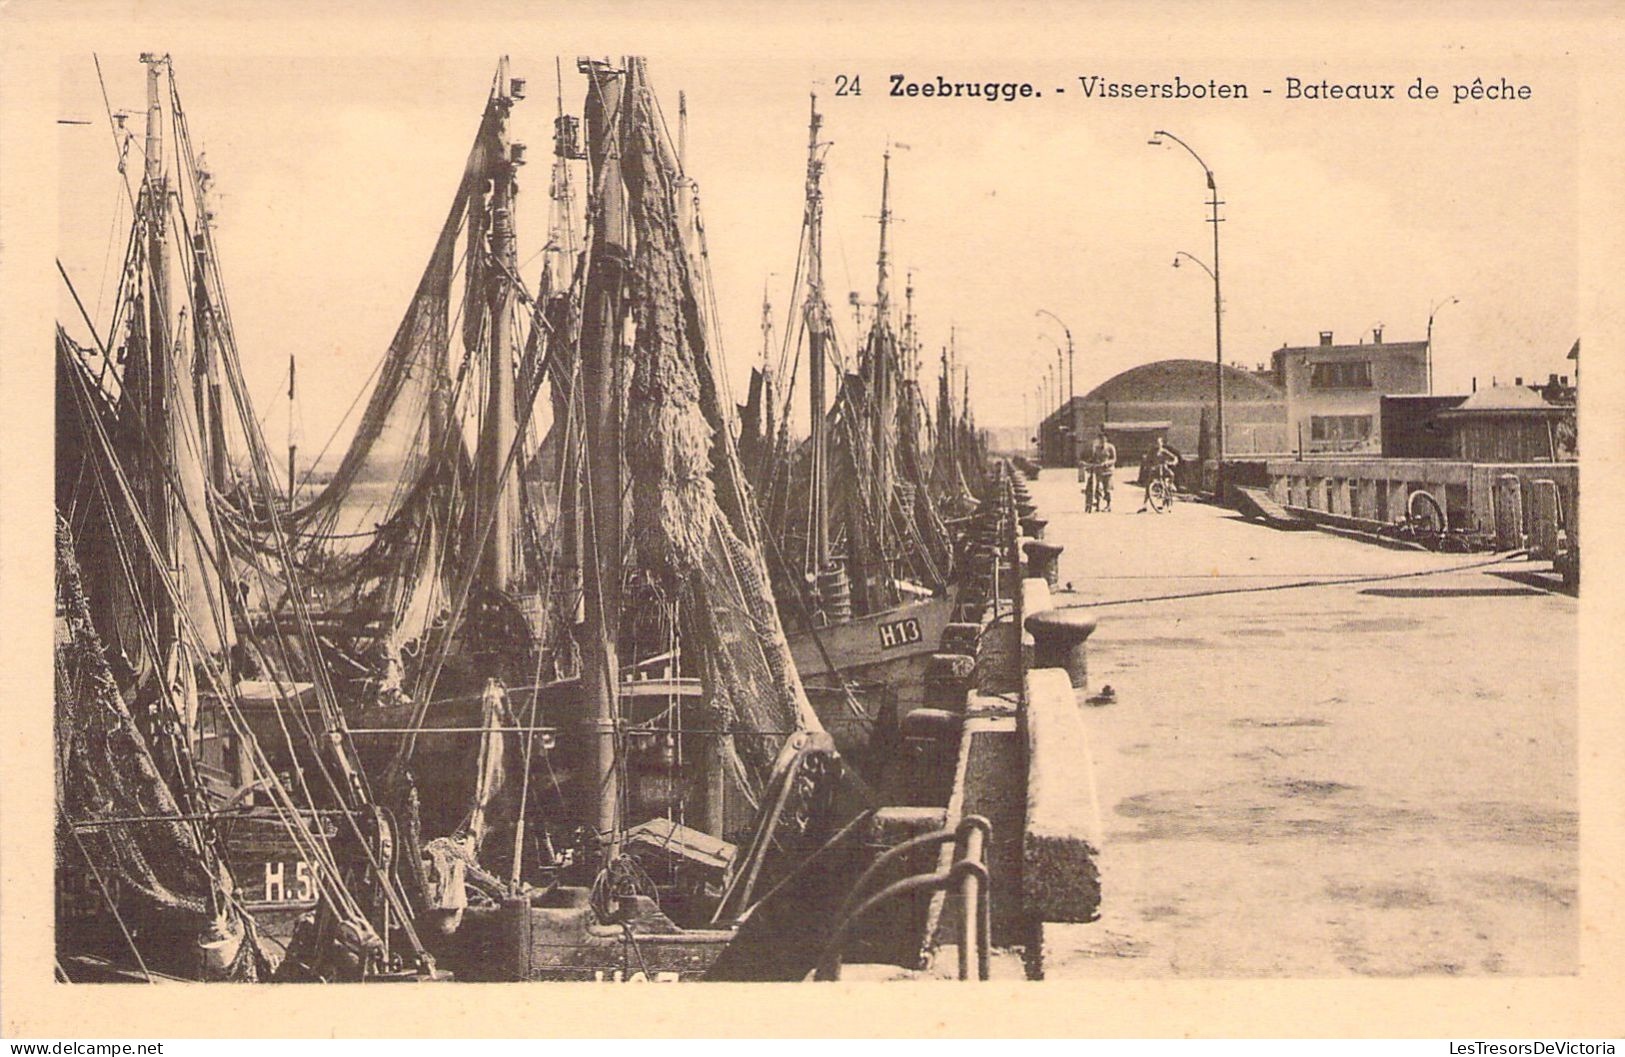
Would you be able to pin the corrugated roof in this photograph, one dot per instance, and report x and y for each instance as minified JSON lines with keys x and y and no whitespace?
{"x":1182,"y":380}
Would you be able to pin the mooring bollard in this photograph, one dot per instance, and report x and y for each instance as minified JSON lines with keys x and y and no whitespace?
{"x":931,"y":724}
{"x":948,"y":680}
{"x":1044,"y":559}
{"x":1061,"y":640}
{"x":961,"y":637}
{"x":513,"y":939}
{"x":1034,"y":527}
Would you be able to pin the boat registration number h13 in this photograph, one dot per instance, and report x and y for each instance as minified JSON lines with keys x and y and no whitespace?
{"x":899,"y":633}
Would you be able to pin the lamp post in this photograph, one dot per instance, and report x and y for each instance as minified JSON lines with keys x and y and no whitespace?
{"x":1214,"y":203}
{"x":1431,"y":313}
{"x":1045,"y":392}
{"x":1071,"y":375}
{"x":1055,"y":394}
{"x":1200,"y":263}
{"x":1038,"y":420}
{"x":1057,"y":370}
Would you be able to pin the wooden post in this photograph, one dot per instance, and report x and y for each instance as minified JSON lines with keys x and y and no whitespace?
{"x":1508,"y":512}
{"x":1544,"y":524}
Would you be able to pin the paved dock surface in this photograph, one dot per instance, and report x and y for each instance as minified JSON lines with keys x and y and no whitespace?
{"x":1336,"y":758}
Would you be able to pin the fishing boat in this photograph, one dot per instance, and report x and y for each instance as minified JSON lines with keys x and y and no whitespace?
{"x":867,"y":563}
{"x":508,"y":695}
{"x":168,"y":800}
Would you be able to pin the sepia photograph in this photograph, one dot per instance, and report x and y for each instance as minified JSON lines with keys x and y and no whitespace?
{"x":788,"y":514}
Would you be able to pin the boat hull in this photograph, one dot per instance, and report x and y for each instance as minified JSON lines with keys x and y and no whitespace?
{"x":521,"y":941}
{"x":891,"y":647}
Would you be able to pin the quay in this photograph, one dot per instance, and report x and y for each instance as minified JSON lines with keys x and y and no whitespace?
{"x":1324,"y":757}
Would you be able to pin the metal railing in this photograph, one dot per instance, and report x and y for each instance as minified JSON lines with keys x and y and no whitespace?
{"x":968,"y":874}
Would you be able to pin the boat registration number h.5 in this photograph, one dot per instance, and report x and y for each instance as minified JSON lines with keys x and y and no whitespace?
{"x":899,"y":633}
{"x":288,"y":883}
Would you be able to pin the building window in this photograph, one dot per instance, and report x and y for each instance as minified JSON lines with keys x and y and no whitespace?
{"x":1350,"y":374}
{"x":1339,"y":432}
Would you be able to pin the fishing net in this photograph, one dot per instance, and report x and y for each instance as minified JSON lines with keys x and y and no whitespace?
{"x":917,"y":507}
{"x":391,"y":443}
{"x":106,"y":773}
{"x":388,"y":538}
{"x":693,"y":521}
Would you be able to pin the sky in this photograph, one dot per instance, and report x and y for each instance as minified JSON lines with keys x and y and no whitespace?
{"x":332,"y":176}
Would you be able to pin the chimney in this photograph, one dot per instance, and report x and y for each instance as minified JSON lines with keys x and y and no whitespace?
{"x":1564,"y":379}
{"x":1325,"y":337}
{"x":1551,"y":382}
{"x":1518,"y":381}
{"x":1376,"y":336}
{"x":1475,"y":383}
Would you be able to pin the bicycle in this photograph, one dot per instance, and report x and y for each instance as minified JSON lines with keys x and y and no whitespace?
{"x":1096,"y":497}
{"x":1159,"y":494}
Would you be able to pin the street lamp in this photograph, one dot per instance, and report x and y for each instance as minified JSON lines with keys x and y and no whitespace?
{"x":1214,"y":203}
{"x":1050,"y":376}
{"x":1071,"y":372}
{"x":1037,"y":428}
{"x":1045,"y":391}
{"x":1059,"y":369}
{"x":1055,"y":393}
{"x":1194,"y":260}
{"x":1431,"y":313}
{"x":1038,"y":420}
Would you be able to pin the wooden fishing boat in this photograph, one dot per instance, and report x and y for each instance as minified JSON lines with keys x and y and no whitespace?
{"x":509,"y":695}
{"x":867,"y":566}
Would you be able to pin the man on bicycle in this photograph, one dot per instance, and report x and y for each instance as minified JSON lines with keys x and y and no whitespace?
{"x":1160,"y":464}
{"x":1097,"y":488}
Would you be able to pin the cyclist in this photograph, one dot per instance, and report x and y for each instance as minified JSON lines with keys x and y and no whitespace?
{"x":1098,"y":485}
{"x":1160,"y":464}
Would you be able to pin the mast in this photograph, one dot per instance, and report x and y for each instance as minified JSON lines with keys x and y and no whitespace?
{"x":561,"y":233}
{"x":816,"y":314}
{"x":767,"y":330}
{"x":601,"y":331}
{"x":911,"y":366}
{"x":944,"y":423}
{"x":682,"y":133}
{"x":499,"y":490}
{"x":293,"y":448}
{"x":685,"y":188}
{"x":156,"y":411}
{"x":881,"y":352}
{"x":557,"y":278}
{"x":206,"y":369}
{"x":950,"y":425}
{"x":768,"y":400}
{"x":882,"y":294}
